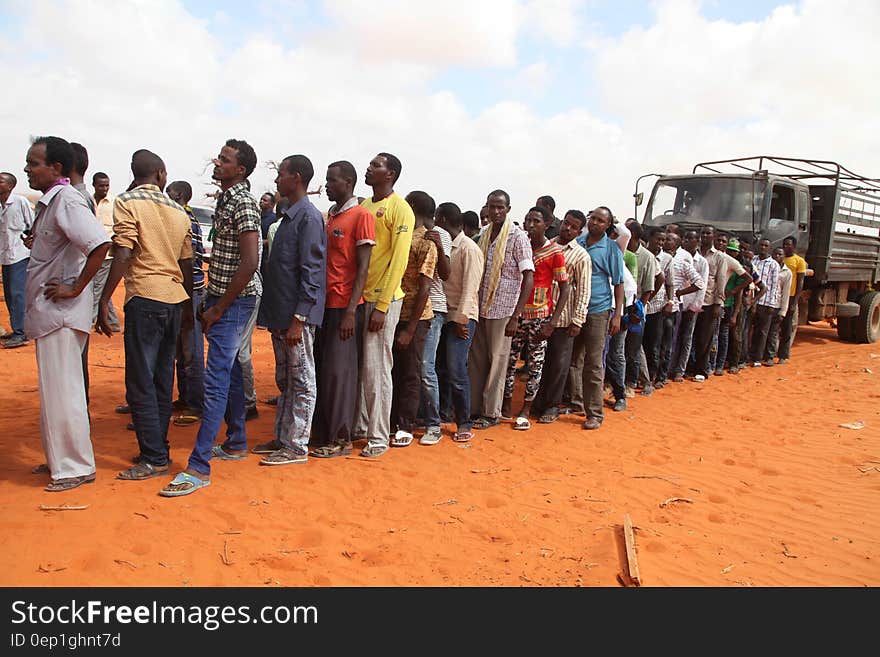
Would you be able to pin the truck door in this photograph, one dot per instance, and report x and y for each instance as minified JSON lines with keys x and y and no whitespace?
{"x":781,"y":222}
{"x":804,"y":203}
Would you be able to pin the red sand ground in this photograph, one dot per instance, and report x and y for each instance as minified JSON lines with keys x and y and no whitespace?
{"x":779,"y":494}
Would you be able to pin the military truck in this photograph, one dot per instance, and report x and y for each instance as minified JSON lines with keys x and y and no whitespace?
{"x":833,"y":214}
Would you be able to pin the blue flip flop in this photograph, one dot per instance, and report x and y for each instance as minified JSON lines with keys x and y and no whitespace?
{"x":223,"y":455}
{"x":184,"y":478}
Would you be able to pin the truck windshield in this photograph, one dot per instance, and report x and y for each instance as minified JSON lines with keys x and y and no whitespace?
{"x":722,"y":202}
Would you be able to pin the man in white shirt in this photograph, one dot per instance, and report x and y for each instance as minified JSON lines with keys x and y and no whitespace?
{"x":16,"y":218}
{"x":104,"y":212}
{"x":690,"y":272}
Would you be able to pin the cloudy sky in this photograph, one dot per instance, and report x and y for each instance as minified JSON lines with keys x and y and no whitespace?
{"x":573,"y":98}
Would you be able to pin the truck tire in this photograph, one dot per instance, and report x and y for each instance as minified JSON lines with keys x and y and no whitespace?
{"x":846,"y":328}
{"x":866,"y":327}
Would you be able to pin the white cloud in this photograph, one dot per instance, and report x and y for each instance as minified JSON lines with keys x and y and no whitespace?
{"x":684,"y":89}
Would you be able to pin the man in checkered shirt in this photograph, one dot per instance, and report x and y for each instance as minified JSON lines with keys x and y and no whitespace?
{"x":233,"y":288}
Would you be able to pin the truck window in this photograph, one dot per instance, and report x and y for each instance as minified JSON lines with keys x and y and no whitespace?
{"x":781,"y":223}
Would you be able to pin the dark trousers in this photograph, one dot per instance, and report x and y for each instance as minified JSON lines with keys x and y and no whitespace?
{"x":773,"y":336}
{"x":745,"y":333}
{"x":727,"y":335}
{"x":336,"y":359}
{"x":615,"y":363}
{"x":555,"y":374}
{"x":632,"y":351}
{"x":151,"y":329}
{"x":456,"y":373}
{"x":190,"y":357}
{"x":762,"y":321}
{"x":666,"y":345}
{"x":651,"y":342}
{"x":704,"y":334}
{"x":406,"y":376}
{"x":14,"y":276}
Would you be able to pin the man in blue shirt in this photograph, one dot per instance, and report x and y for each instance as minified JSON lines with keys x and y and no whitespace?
{"x":292,"y":307}
{"x":604,"y":315}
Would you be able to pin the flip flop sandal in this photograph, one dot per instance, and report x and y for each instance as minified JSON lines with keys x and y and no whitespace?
{"x":374,"y":450}
{"x":402,"y":439}
{"x":267,"y":448}
{"x":331,"y":451}
{"x":142,"y":470}
{"x":548,"y":418}
{"x":184,"y":479}
{"x":220,"y":453}
{"x":186,"y":420}
{"x":69,"y":483}
{"x":522,"y":424}
{"x":284,"y":456}
{"x":462,"y":436}
{"x":486,"y":422}
{"x":43,"y":468}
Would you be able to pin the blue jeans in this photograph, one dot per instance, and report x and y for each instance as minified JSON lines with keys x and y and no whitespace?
{"x":224,"y":390}
{"x":457,"y":373}
{"x":430,"y":388}
{"x":13,"y":291}
{"x":191,"y":361}
{"x":150,"y":338}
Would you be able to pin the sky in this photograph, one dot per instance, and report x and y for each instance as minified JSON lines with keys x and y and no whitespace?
{"x":571,"y":98}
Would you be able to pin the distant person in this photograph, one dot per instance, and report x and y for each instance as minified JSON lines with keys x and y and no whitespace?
{"x":66,"y":251}
{"x":152,"y":250}
{"x":731,"y":301}
{"x":508,"y":278}
{"x":767,"y":305}
{"x":104,"y":212}
{"x":549,"y":204}
{"x":267,"y":218}
{"x":470,"y":224}
{"x":233,"y":287}
{"x":670,"y":312}
{"x":190,"y":351}
{"x":78,"y":172}
{"x":16,"y":219}
{"x":646,"y":269}
{"x":690,"y":273}
{"x":660,"y":306}
{"x":293,"y":309}
{"x":798,"y":267}
{"x":383,"y":298}
{"x":484,"y":217}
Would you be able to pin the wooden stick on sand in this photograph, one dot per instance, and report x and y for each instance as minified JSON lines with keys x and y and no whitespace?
{"x":632,"y":562}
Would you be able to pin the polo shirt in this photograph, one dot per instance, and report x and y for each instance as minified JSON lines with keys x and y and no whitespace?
{"x":394,"y":223}
{"x":797,"y":265}
{"x":348,"y":227}
{"x":607,"y":262}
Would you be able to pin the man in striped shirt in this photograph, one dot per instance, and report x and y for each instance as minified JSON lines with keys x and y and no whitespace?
{"x":567,"y":325}
{"x":768,"y":304}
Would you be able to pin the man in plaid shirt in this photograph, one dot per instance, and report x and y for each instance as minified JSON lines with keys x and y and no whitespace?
{"x":232,"y":291}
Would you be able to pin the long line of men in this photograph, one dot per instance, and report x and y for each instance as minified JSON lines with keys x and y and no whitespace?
{"x":432,"y":320}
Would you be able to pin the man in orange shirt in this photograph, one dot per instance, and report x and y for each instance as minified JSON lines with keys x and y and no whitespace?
{"x":351,"y":235}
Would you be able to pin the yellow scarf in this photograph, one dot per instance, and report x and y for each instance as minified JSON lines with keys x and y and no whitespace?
{"x":497,"y":261}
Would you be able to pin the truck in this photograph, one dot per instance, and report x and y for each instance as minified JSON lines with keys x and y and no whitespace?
{"x":832,"y":213}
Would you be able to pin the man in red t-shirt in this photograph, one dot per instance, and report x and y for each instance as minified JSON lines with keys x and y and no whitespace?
{"x":351,"y":234}
{"x":536,"y":322}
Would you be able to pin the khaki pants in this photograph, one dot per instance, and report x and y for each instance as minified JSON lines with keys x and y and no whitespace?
{"x":373,"y":417}
{"x":487,"y":367}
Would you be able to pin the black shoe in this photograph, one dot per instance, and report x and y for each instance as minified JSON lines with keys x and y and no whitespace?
{"x":130,"y":426}
{"x":251,"y":413}
{"x":123,"y":409}
{"x":272,"y":401}
{"x":6,"y":336}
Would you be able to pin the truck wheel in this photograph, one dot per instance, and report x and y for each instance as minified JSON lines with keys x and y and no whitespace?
{"x":867,"y":324}
{"x":845,"y":328}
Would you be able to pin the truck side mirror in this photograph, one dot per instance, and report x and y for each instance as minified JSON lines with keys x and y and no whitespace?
{"x":639,"y":198}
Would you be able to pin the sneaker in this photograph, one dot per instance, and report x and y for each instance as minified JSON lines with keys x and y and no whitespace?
{"x":756,"y":364}
{"x":629,"y":392}
{"x":734,"y":369}
{"x":719,"y":372}
{"x":6,"y":336}
{"x":15,"y":341}
{"x":251,"y":413}
{"x":620,"y":405}
{"x":699,"y":378}
{"x":769,"y":363}
{"x":647,"y":391}
{"x":432,"y":437}
{"x":782,"y":361}
{"x":591,"y":424}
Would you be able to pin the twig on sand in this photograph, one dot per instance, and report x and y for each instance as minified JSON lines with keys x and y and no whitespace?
{"x":111,"y":367}
{"x":673,"y":500}
{"x":360,"y":459}
{"x":123,"y":562}
{"x":50,"y":570}
{"x":450,"y":502}
{"x":631,"y":561}
{"x":142,"y":515}
{"x":44,"y":507}
{"x":670,"y":480}
{"x":230,"y":533}
{"x":724,"y":571}
{"x":529,"y":481}
{"x":495,"y":471}
{"x":225,"y":555}
{"x":786,"y":553}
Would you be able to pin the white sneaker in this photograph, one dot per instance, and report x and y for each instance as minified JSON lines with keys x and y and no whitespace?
{"x":699,"y":378}
{"x":756,"y":364}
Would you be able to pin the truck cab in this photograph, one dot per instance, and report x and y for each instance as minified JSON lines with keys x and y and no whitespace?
{"x":832,"y":213}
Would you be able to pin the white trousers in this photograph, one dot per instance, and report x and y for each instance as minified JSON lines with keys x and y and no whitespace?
{"x":64,"y":419}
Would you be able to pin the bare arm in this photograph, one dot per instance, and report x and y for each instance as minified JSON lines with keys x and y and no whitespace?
{"x":525,"y":289}
{"x":346,"y":326}
{"x":56,"y":290}
{"x":249,"y":246}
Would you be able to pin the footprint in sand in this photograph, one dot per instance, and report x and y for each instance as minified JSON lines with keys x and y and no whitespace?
{"x":717,"y":519}
{"x":718,"y":499}
{"x":770,"y":472}
{"x":729,"y":462}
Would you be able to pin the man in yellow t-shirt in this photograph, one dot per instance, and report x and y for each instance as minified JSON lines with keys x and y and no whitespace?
{"x":798,"y":267}
{"x":383,"y":298}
